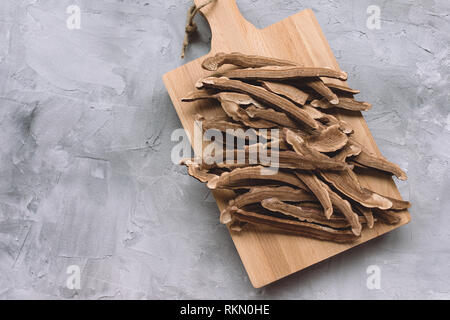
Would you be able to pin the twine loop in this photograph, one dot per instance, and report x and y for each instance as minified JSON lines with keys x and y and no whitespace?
{"x":191,"y":26}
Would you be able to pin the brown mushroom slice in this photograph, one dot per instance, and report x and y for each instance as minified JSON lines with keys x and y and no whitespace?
{"x":318,"y":190}
{"x":242,"y":60}
{"x":223,"y":165}
{"x":340,"y":88}
{"x":264,"y":96}
{"x":370,"y":160}
{"x":284,"y":73}
{"x":236,"y":97}
{"x":366,"y":212}
{"x":318,"y":86}
{"x":239,"y":98}
{"x":305,"y":229}
{"x":285,"y":193}
{"x":238,"y":114}
{"x":250,"y":156}
{"x":349,"y":150}
{"x":346,"y":182}
{"x":328,"y":119}
{"x":218,"y":123}
{"x":216,"y":159}
{"x":387,"y":216}
{"x":356,"y":164}
{"x":315,"y":113}
{"x":345,"y":208}
{"x":199,"y":95}
{"x":238,"y":129}
{"x":282,"y":145}
{"x":300,"y":147}
{"x":344,"y":103}
{"x":298,"y":144}
{"x":244,"y":177}
{"x":328,"y":140}
{"x":271,"y":115}
{"x":293,"y":160}
{"x":331,"y":120}
{"x":258,"y":194}
{"x":233,"y":110}
{"x":397,"y":204}
{"x":280,"y":142}
{"x":195,"y":170}
{"x":319,"y":115}
{"x":306,"y":213}
{"x":285,"y":159}
{"x":230,"y":102}
{"x":286,"y":90}
{"x":345,"y":127}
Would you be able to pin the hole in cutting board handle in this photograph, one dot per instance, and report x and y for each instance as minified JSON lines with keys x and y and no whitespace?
{"x":226,"y":23}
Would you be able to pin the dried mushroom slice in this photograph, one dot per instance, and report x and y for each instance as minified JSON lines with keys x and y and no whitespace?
{"x":272,"y":143}
{"x":230,"y":102}
{"x":328,"y":140}
{"x":285,"y":159}
{"x":258,"y":194}
{"x":370,"y":160}
{"x":339,"y":88}
{"x":199,"y":95}
{"x":246,"y":177}
{"x":306,"y":213}
{"x":305,"y":229}
{"x":242,"y":60}
{"x":300,"y":147}
{"x":328,"y":119}
{"x":349,"y":150}
{"x":344,"y":103}
{"x":286,"y":90}
{"x":346,"y":182}
{"x":318,"y":190}
{"x":345,"y":208}
{"x":293,"y":160}
{"x":345,"y":127}
{"x":236,"y":97}
{"x":284,"y":73}
{"x":249,"y":156}
{"x":387,"y":216}
{"x":235,"y":112}
{"x":239,"y":98}
{"x":219,"y":123}
{"x":397,"y":204}
{"x":366,"y":212}
{"x":263,"y":95}
{"x":318,"y":86}
{"x":315,"y":113}
{"x":271,"y":115}
{"x":196,"y":171}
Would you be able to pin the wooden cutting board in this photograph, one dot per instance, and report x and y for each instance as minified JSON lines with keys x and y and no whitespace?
{"x":270,"y":255}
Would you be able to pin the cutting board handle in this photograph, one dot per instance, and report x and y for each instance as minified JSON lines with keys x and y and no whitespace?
{"x":226,"y":22}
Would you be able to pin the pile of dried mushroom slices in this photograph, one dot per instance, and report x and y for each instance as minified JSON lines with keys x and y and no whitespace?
{"x":315,"y":193}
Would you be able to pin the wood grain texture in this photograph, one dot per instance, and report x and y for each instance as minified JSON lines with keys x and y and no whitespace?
{"x":267,"y":254}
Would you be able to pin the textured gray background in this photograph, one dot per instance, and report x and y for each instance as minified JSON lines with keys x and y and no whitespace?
{"x":86,"y":177}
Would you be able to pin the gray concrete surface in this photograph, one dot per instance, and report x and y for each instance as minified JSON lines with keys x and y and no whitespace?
{"x":86,"y":177}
